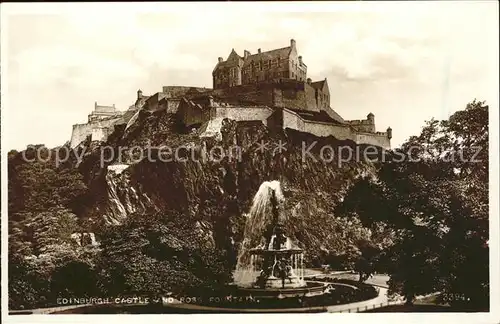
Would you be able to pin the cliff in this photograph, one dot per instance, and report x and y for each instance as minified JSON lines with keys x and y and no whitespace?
{"x":219,"y":177}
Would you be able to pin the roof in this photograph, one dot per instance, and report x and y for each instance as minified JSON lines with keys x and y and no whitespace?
{"x":333,"y":114}
{"x":318,"y":84}
{"x":317,"y":116}
{"x":192,"y":103}
{"x":233,"y":56}
{"x":269,"y":55}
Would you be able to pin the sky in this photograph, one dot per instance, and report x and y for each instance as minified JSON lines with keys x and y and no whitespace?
{"x":404,"y":62}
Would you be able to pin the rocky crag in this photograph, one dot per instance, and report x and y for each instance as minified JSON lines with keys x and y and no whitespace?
{"x":224,"y":166}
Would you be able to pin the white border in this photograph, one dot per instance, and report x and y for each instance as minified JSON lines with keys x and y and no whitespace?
{"x":57,"y":8}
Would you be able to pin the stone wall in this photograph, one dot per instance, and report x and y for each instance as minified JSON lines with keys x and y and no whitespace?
{"x":182,"y":91}
{"x":99,"y":134}
{"x":141,"y":102}
{"x":104,"y":109}
{"x":170,"y":97}
{"x":342,"y":132}
{"x":363,"y":125}
{"x":292,"y":120}
{"x":80,"y":133}
{"x":279,"y":93}
{"x":322,"y":129}
{"x":191,"y":113}
{"x":291,"y":97}
{"x":378,"y":139}
{"x":172,"y":105}
{"x":253,"y":94}
{"x":99,"y":130}
{"x":310,"y":95}
{"x":152,"y":103}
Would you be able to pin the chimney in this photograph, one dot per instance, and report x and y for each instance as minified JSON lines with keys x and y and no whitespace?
{"x":292,"y":43}
{"x":95,"y":105}
{"x":309,"y":81}
{"x":258,"y":51}
{"x":220,"y":59}
{"x":139,"y":94}
{"x":300,"y":60}
{"x":246,"y":54}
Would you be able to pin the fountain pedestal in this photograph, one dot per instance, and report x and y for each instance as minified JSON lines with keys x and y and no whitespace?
{"x":279,"y":268}
{"x":276,"y":267}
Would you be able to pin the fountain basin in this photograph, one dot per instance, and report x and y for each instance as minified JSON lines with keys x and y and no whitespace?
{"x":308,"y":290}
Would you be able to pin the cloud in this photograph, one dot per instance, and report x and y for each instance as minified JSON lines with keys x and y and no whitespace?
{"x":403,"y":62}
{"x":75,"y":67}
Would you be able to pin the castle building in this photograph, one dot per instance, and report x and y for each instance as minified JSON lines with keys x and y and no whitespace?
{"x":102,"y":112}
{"x":269,"y":86}
{"x":262,"y":66}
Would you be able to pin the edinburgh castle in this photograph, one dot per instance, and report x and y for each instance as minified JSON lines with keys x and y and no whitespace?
{"x":268,"y":86}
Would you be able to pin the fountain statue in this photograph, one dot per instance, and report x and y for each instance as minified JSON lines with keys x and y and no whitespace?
{"x":274,"y":263}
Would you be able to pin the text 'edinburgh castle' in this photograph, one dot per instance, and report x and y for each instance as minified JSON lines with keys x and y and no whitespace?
{"x":271,"y":87}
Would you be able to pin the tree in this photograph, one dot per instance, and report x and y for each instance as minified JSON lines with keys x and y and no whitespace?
{"x":155,"y":254}
{"x":42,"y":254}
{"x":36,"y":183}
{"x":433,"y":192}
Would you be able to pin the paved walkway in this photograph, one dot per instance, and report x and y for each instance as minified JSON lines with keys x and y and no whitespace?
{"x":381,"y":299}
{"x":48,"y":310}
{"x":379,"y":281}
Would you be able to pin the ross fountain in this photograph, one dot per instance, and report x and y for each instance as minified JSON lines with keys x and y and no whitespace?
{"x":275,"y":267}
{"x":270,"y":274}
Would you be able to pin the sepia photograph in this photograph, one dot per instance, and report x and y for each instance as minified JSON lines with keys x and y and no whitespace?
{"x":238,"y":158}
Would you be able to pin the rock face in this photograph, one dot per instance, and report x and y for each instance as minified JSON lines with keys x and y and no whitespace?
{"x":213,"y":179}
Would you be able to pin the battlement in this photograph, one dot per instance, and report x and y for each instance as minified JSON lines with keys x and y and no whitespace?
{"x":359,"y":122}
{"x":101,"y":112}
{"x":104,"y":109}
{"x":363,"y":125}
{"x":181,"y":91}
{"x":302,"y":123}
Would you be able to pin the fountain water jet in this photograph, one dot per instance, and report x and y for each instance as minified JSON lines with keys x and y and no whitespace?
{"x":268,"y":260}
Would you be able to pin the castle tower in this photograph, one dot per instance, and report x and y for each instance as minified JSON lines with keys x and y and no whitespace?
{"x":235,"y":63}
{"x":389,"y":132}
{"x":371,"y":121}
